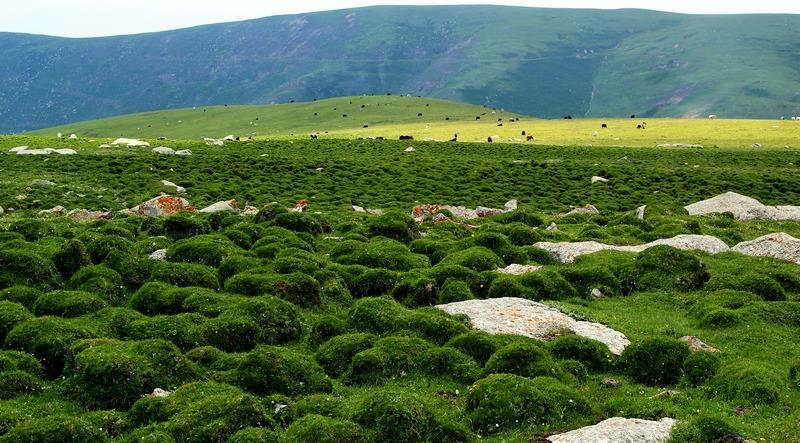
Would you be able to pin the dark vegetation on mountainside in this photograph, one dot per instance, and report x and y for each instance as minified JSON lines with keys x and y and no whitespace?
{"x":542,"y":62}
{"x":304,"y":327}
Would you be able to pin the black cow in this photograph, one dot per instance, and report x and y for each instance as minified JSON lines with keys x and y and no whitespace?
{"x":567,"y":117}
{"x":523,"y":132}
{"x":603,"y":125}
{"x":489,"y":140}
{"x":406,"y":137}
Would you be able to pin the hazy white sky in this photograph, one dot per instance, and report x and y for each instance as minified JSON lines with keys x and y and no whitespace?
{"x":85,"y":18}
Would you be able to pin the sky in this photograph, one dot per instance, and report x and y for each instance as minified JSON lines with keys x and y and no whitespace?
{"x":91,"y":18}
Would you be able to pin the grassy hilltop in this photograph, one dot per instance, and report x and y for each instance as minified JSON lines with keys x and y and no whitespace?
{"x":540,"y":62}
{"x":392,"y":116}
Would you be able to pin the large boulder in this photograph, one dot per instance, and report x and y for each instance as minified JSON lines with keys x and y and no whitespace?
{"x":567,"y":252}
{"x":162,"y":205}
{"x":129,"y":142}
{"x":222,"y":206}
{"x":620,"y":430}
{"x":777,"y":245}
{"x":743,"y":208}
{"x":519,"y":316}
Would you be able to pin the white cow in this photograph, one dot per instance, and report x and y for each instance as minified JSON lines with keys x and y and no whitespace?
{"x":712,"y":116}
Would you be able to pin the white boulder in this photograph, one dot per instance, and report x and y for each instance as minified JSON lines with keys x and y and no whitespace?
{"x":163,"y":150}
{"x":567,"y":252}
{"x":777,"y":245}
{"x":222,"y":206}
{"x":620,"y":430}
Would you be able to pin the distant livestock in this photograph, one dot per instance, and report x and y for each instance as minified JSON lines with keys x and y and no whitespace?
{"x":633,"y":115}
{"x":523,"y":132}
{"x":419,"y":115}
{"x":477,"y":117}
{"x":529,"y":138}
{"x":567,"y":117}
{"x":489,"y":140}
{"x":314,"y":135}
{"x":406,"y":137}
{"x":604,"y":125}
{"x":712,"y":116}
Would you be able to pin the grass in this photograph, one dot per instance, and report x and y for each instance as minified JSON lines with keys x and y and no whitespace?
{"x":278,"y":288}
{"x":398,"y":116}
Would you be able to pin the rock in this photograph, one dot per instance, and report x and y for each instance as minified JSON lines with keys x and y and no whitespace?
{"x":2,"y":211}
{"x":598,"y":179}
{"x":162,"y":205}
{"x":776,"y":245}
{"x":55,"y":211}
{"x":131,"y":142}
{"x":213,"y":142}
{"x":65,"y":151}
{"x":697,"y":345}
{"x":552,"y":227}
{"x":610,"y":383}
{"x":743,"y":208}
{"x":159,"y":254}
{"x":374,"y":211}
{"x":518,"y":316}
{"x":515,"y":269}
{"x":482,"y":211}
{"x":301,"y":206}
{"x":184,"y":152}
{"x":619,"y":430}
{"x":223,"y":206}
{"x":588,"y":209}
{"x":40,"y":182}
{"x":17,"y":149}
{"x":20,"y":197}
{"x":249,"y":210}
{"x":104,"y":145}
{"x":667,"y":393}
{"x":756,"y":145}
{"x":84,"y":215}
{"x":45,"y":151}
{"x":178,"y":189}
{"x":158,"y":392}
{"x":510,"y":205}
{"x":410,"y":149}
{"x":440,"y":218}
{"x":596,"y":293}
{"x":640,"y":212}
{"x":163,"y":150}
{"x":229,"y":138}
{"x":358,"y":209}
{"x":567,"y":252}
{"x":73,"y":137}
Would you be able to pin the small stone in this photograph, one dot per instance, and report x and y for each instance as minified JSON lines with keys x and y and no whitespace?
{"x":158,"y":392}
{"x":640,"y":212}
{"x":596,"y":293}
{"x":184,"y":152}
{"x":358,"y":209}
{"x":53,"y":212}
{"x":410,"y":149}
{"x":515,"y":269}
{"x":163,"y":150}
{"x":610,"y":383}
{"x":697,"y":345}
{"x":160,"y":254}
{"x":552,"y":227}
{"x":41,"y":182}
{"x":598,"y":179}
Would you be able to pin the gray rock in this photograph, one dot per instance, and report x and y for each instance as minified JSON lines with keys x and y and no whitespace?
{"x":159,"y":254}
{"x":515,"y":269}
{"x":55,"y":211}
{"x":743,"y":208}
{"x":184,"y":152}
{"x":640,"y":212}
{"x":588,"y":209}
{"x":518,"y":316}
{"x":619,"y":430}
{"x":163,"y":150}
{"x":777,"y":245}
{"x":567,"y":252}
{"x":223,"y":206}
{"x":41,"y":182}
{"x":697,"y":345}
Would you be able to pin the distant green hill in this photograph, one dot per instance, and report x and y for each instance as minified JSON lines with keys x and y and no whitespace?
{"x":542,"y":62}
{"x":290,"y":119}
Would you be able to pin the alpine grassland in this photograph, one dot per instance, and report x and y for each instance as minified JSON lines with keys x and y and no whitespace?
{"x":261,"y":323}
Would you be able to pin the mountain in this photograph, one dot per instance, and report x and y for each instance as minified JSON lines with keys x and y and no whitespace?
{"x":542,"y":62}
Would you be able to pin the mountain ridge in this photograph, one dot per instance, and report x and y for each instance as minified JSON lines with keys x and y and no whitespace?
{"x":535,"y":61}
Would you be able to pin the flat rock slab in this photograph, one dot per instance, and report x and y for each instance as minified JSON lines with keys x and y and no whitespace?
{"x":519,"y":316}
{"x":567,"y":252}
{"x":777,"y":245}
{"x":743,"y":208}
{"x":222,"y":206}
{"x":515,"y":269}
{"x":619,"y":430}
{"x":161,"y":206}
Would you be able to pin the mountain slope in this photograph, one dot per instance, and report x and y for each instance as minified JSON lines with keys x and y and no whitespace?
{"x":291,"y":119}
{"x":544,"y":62}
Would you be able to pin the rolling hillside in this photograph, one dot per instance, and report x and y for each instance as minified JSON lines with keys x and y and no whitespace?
{"x":542,"y":62}
{"x":336,"y":115}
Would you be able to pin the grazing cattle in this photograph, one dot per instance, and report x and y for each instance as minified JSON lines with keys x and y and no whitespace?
{"x":344,"y":115}
{"x":162,"y":138}
{"x":447,"y":118}
{"x":499,"y":119}
{"x":633,"y":115}
{"x":315,"y":113}
{"x":419,"y":115}
{"x":644,"y":125}
{"x":455,"y":138}
{"x":604,"y":125}
{"x":314,"y":135}
{"x":365,"y":126}
{"x":529,"y":138}
{"x":363,"y":106}
{"x":489,"y":140}
{"x":483,"y":113}
{"x":523,"y":132}
{"x":712,"y":116}
{"x":567,"y":117}
{"x":427,"y":104}
{"x":639,"y":127}
{"x":499,"y":124}
{"x":379,"y":138}
{"x":477,"y":117}
{"x":406,"y":137}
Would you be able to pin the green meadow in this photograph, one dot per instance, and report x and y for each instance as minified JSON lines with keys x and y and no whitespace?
{"x":320,"y":325}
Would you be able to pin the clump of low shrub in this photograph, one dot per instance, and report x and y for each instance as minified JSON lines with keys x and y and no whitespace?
{"x":747,"y":382}
{"x":72,"y":256}
{"x":501,"y":402}
{"x":477,"y":344}
{"x":448,"y":362}
{"x":299,"y":222}
{"x":388,"y":358}
{"x":270,"y":370}
{"x":11,"y":314}
{"x":47,"y":338}
{"x":665,"y":267}
{"x":68,"y":304}
{"x":314,"y":428}
{"x":297,"y":288}
{"x":24,"y":295}
{"x":454,"y":291}
{"x":101,"y":281}
{"x":655,"y":361}
{"x":57,"y":428}
{"x":396,"y":416}
{"x":703,"y":429}
{"x":108,"y":373}
{"x":593,"y":354}
{"x":477,"y":258}
{"x":395,"y":226}
{"x":524,"y":358}
{"x":335,"y":354}
{"x":18,"y":267}
{"x":186,"y":274}
{"x":15,"y":383}
{"x":184,"y":226}
{"x":700,"y":366}
{"x":100,"y":247}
